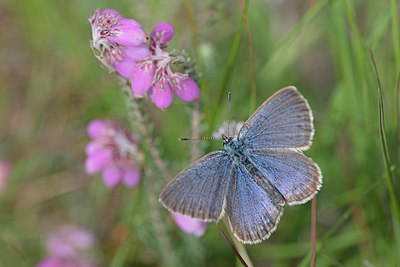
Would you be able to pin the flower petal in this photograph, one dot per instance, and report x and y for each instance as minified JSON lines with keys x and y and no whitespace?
{"x":137,"y":53}
{"x":96,"y":161}
{"x":189,"y":225}
{"x":128,"y":34}
{"x":132,"y":22}
{"x":131,"y":178}
{"x":125,"y":68}
{"x":95,"y":127}
{"x":142,"y":79}
{"x":112,"y":176}
{"x":188,"y":91}
{"x":162,"y":32}
{"x":162,"y":97}
{"x":93,"y":147}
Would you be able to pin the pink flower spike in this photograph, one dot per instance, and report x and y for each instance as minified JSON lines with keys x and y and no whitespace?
{"x":112,"y":176}
{"x":162,"y":32}
{"x":111,"y":152}
{"x":96,"y":161}
{"x":95,"y":127}
{"x":128,"y":34}
{"x":162,"y":97}
{"x":189,"y":225}
{"x":142,"y":79}
{"x":131,"y":178}
{"x":137,"y":53}
{"x":125,"y":68}
{"x":188,"y":91}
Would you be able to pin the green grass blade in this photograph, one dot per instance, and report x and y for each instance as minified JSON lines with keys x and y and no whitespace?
{"x":394,"y":205}
{"x":281,"y":48}
{"x":395,"y":32}
{"x":306,"y":260}
{"x":228,"y":74}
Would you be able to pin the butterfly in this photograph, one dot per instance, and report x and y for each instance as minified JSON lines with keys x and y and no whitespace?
{"x":256,"y":174}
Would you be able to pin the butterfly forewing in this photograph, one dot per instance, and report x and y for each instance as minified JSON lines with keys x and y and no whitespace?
{"x":251,"y":212}
{"x":283,"y":121}
{"x":296,"y":176}
{"x":199,"y":190}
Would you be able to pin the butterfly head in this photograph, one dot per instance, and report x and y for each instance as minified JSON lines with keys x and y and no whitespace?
{"x":226,"y":139}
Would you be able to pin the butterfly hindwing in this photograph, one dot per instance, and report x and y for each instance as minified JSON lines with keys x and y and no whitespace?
{"x":283,"y":121}
{"x":295,"y":175}
{"x":252,"y":214}
{"x":199,"y":190}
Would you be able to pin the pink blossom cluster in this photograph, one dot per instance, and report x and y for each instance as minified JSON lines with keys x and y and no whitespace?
{"x":112,"y":152}
{"x":121,"y":44}
{"x":66,"y":247}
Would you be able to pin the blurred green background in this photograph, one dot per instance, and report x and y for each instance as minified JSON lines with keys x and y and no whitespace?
{"x":51,"y":86}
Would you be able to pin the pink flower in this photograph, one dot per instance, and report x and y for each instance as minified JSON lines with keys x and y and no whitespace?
{"x":118,"y":42}
{"x":65,"y":247}
{"x":111,"y":151}
{"x":5,"y":174}
{"x":153,"y":75}
{"x":189,"y":225}
{"x":162,"y":34}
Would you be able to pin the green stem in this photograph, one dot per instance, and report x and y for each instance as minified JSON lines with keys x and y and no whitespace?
{"x":239,"y":246}
{"x":154,"y":186}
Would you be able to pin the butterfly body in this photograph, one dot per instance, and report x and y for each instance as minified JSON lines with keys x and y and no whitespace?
{"x":256,"y":174}
{"x":240,"y":159}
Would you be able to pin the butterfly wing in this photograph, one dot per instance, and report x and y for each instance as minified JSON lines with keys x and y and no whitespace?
{"x":283,"y":121}
{"x":296,"y":176}
{"x":252,"y":212}
{"x":199,"y":190}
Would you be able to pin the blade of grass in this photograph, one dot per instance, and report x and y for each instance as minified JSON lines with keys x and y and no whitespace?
{"x":395,"y":32}
{"x":228,"y":74}
{"x":121,"y":254}
{"x":386,"y":157}
{"x":398,"y":115}
{"x":307,"y":259}
{"x":282,"y":46}
{"x":252,"y":64}
{"x":359,"y":50}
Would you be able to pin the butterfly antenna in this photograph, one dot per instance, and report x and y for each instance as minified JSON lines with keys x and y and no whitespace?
{"x":229,"y":109}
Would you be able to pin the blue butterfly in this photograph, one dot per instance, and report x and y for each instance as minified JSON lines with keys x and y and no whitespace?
{"x":255,"y":175}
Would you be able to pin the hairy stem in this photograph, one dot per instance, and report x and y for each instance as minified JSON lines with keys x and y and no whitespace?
{"x":137,"y":120}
